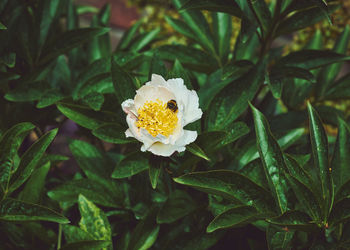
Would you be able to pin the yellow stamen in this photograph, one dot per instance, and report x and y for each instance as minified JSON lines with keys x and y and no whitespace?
{"x":156,"y":118}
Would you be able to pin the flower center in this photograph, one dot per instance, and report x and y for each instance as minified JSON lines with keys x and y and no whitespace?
{"x":156,"y":118}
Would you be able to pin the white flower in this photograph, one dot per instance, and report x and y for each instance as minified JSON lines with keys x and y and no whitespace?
{"x":159,"y":112}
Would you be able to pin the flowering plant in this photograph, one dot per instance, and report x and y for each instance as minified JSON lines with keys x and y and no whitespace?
{"x":158,"y":125}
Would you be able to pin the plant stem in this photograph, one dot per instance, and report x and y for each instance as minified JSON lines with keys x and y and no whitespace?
{"x":59,"y":236}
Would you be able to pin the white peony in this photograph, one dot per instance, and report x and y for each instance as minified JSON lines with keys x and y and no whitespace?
{"x":159,"y":112}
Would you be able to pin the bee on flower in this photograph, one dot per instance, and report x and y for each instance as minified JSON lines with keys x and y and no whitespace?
{"x":158,"y":113}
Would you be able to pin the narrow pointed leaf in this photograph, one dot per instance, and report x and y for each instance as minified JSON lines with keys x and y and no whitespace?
{"x":156,"y":165}
{"x":341,"y":156}
{"x":113,"y":133}
{"x":30,"y":159}
{"x":319,"y":145}
{"x":15,"y":210}
{"x":196,"y":150}
{"x":233,"y":217}
{"x":225,"y":6}
{"x":132,"y":164}
{"x":87,"y":245}
{"x":262,"y":14}
{"x":230,"y":185}
{"x":294,"y":220}
{"x":128,"y":36}
{"x":272,"y":159}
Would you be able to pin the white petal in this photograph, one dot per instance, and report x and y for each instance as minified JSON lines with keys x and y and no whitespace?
{"x":139,"y":134}
{"x":128,"y":133}
{"x":152,"y":93}
{"x":128,"y":106}
{"x":187,"y":138}
{"x":187,"y":98}
{"x":157,"y":80}
{"x":161,"y":149}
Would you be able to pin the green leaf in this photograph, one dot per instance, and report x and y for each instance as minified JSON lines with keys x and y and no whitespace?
{"x":196,"y":150}
{"x":15,"y":210}
{"x":132,"y":164}
{"x":340,"y":212}
{"x":181,"y":27}
{"x":145,"y":233}
{"x":233,"y":217}
{"x":279,"y":72}
{"x":262,"y":14}
{"x":157,"y":66}
{"x":340,"y":89}
{"x":30,"y":159}
{"x":129,"y":36}
{"x":319,"y":146}
{"x":225,"y":6}
{"x":230,"y":185}
{"x":93,"y":220}
{"x":222,"y":31}
{"x":8,"y":59}
{"x":341,"y":155}
{"x":178,"y":205}
{"x":49,"y":97}
{"x":35,"y":185}
{"x":156,"y":164}
{"x":86,"y":117}
{"x":94,"y":163}
{"x":199,"y":26}
{"x":228,"y":105}
{"x":178,"y":71}
{"x":94,"y":100}
{"x":302,"y":19}
{"x":9,"y":144}
{"x":123,"y":83}
{"x":113,"y":133}
{"x":144,"y":39}
{"x":25,"y":92}
{"x":272,"y":159}
{"x":294,"y":220}
{"x":87,"y":245}
{"x":311,"y":59}
{"x":278,"y":239}
{"x":74,"y":234}
{"x":327,"y":75}
{"x":2,"y":27}
{"x":236,"y":68}
{"x":192,"y":58}
{"x":99,"y":193}
{"x":69,"y":40}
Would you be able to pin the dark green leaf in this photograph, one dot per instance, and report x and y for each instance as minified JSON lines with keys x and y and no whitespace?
{"x":128,"y":36}
{"x":132,"y":164}
{"x":178,"y":205}
{"x":99,"y":193}
{"x":272,"y":159}
{"x":225,"y":6}
{"x":69,"y":40}
{"x":294,"y":220}
{"x":144,"y":39}
{"x":9,"y":144}
{"x":8,"y":59}
{"x":340,"y":89}
{"x":15,"y":210}
{"x":222,"y":31}
{"x":123,"y":83}
{"x":34,"y":187}
{"x":30,"y":159}
{"x":87,"y":245}
{"x":199,"y":26}
{"x":156,"y":164}
{"x":319,"y":145}
{"x":341,"y":155}
{"x":262,"y":13}
{"x":94,"y":100}
{"x":74,"y":234}
{"x":179,"y":72}
{"x":49,"y":98}
{"x":230,"y":185}
{"x":228,"y":105}
{"x":233,"y":217}
{"x":196,"y":150}
{"x":302,"y":19}
{"x":157,"y":66}
{"x":310,"y":59}
{"x":91,"y":160}
{"x":113,"y":133}
{"x":86,"y":117}
{"x":192,"y":58}
{"x":93,"y":220}
{"x":145,"y":233}
{"x":279,"y":239}
{"x":2,"y":27}
{"x":328,"y":74}
{"x":26,"y":92}
{"x":279,"y":72}
{"x":236,"y":68}
{"x":340,"y":212}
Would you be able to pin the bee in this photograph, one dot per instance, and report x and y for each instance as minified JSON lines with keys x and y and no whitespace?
{"x":172,"y":105}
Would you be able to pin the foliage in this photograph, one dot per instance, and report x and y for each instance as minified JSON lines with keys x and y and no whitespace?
{"x":266,"y":171}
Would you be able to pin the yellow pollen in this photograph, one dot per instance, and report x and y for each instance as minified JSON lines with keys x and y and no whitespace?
{"x":156,"y":118}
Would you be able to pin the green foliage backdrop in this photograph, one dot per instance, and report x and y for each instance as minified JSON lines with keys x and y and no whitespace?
{"x":270,"y":168}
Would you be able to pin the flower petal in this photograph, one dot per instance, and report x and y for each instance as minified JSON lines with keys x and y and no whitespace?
{"x":152,"y":93}
{"x":187,"y":138}
{"x":161,"y":149}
